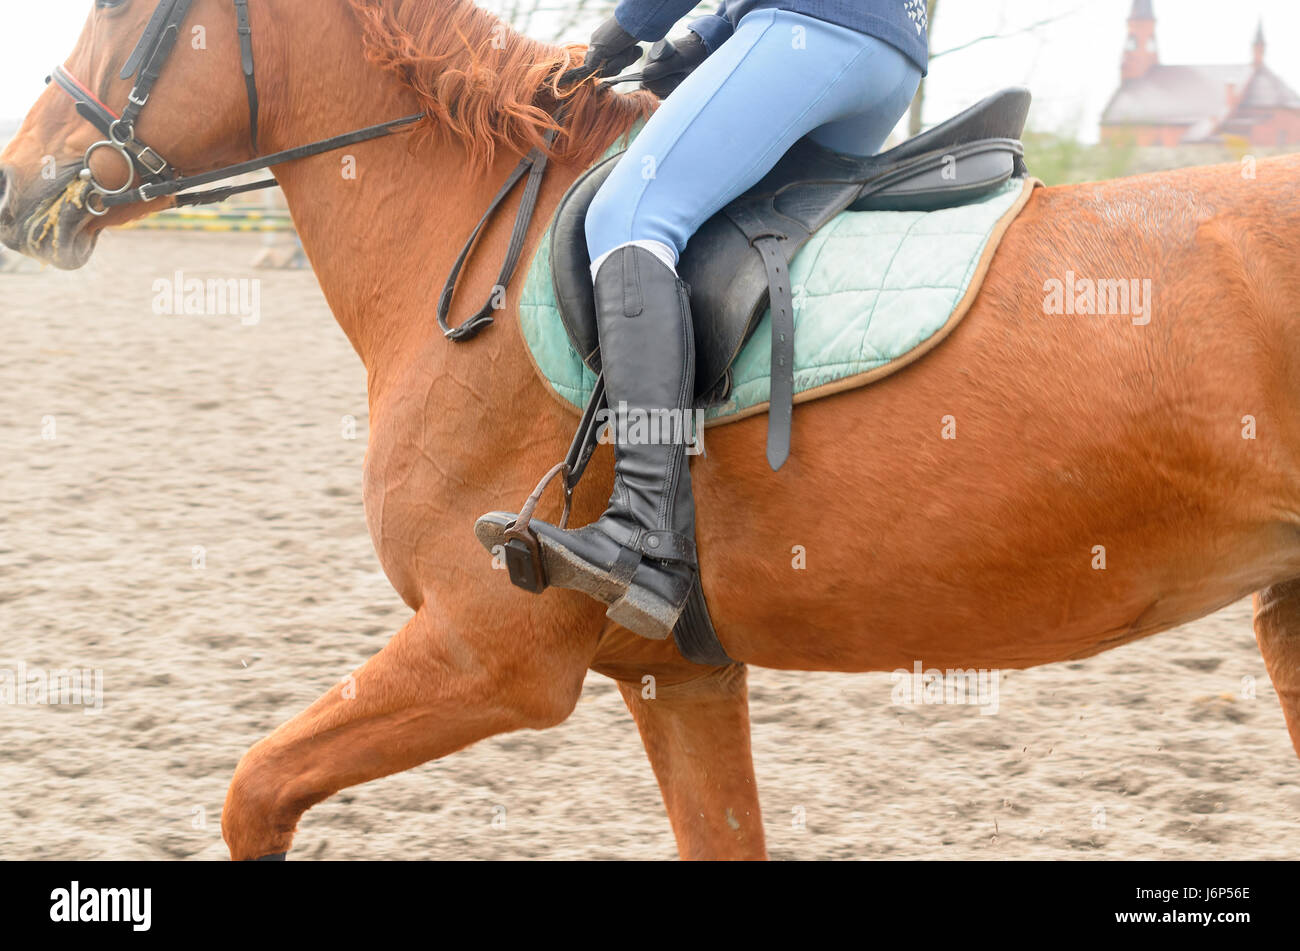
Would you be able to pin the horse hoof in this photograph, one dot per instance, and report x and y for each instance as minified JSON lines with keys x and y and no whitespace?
{"x":274,"y":857}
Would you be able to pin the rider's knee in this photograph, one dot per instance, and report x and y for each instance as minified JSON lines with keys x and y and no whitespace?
{"x":608,"y":222}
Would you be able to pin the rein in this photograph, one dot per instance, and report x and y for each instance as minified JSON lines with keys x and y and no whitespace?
{"x":534,"y":164}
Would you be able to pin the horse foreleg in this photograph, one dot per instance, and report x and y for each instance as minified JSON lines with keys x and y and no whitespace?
{"x":1277,"y":629}
{"x":696,"y":734}
{"x":428,"y":693}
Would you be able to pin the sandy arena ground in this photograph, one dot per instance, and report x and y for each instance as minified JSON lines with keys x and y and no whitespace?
{"x":177,"y":432}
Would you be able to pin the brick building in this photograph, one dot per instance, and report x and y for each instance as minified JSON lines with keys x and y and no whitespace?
{"x":1160,"y":105}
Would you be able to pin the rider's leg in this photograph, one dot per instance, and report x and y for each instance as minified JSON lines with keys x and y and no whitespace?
{"x":780,"y":76}
{"x":867,"y":132}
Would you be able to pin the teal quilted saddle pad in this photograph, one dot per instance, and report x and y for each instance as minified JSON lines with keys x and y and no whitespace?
{"x":872,"y":290}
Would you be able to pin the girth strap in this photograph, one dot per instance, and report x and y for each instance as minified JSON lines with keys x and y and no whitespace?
{"x":781,"y":409}
{"x":694,"y":633}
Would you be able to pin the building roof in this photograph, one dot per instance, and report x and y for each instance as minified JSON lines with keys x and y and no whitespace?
{"x":1177,"y":95}
{"x":1208,"y":101}
{"x":1266,"y":90}
{"x":1265,"y":94}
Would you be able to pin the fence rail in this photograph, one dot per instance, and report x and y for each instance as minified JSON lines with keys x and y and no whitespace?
{"x":232,"y":218}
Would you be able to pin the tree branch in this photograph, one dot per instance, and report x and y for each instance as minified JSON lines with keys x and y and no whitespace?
{"x":1002,"y":36}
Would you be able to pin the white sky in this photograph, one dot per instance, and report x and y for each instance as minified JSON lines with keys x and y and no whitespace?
{"x":1072,"y":64}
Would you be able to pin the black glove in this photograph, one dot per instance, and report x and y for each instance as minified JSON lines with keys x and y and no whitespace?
{"x":672,"y":61}
{"x":612,"y":49}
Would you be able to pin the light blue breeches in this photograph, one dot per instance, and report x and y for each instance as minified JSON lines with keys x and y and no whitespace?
{"x":779,"y":77}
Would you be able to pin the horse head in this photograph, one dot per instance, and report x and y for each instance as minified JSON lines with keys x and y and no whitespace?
{"x":195,"y":116}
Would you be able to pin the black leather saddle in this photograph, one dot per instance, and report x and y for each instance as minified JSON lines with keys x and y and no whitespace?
{"x":737,"y":263}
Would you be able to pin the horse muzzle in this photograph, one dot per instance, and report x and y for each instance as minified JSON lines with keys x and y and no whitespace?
{"x":48,"y":221}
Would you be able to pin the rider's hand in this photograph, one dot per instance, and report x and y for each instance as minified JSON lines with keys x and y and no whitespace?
{"x":672,"y":61}
{"x":612,"y":49}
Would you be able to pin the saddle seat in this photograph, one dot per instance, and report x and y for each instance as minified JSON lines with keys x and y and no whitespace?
{"x":969,"y":156}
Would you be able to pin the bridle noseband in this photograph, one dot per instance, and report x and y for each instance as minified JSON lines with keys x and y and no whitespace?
{"x":158,"y":177}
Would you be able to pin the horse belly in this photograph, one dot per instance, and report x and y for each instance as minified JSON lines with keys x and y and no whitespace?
{"x":1062,"y":517}
{"x":814,"y":594}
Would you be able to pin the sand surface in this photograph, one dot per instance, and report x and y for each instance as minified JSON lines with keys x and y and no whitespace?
{"x":172,"y":434}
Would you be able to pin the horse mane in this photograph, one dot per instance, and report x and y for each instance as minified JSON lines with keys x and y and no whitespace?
{"x":486,"y":85}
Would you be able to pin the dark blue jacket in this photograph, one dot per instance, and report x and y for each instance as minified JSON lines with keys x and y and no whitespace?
{"x":900,"y":23}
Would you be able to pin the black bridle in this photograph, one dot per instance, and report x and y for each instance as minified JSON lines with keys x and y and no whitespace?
{"x":159,"y":178}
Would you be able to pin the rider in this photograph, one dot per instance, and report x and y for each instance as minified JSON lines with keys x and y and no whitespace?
{"x":773,"y":71}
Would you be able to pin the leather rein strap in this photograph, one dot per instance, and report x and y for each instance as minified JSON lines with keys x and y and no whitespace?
{"x":244,"y":27}
{"x":172,"y":187}
{"x":534,"y":163}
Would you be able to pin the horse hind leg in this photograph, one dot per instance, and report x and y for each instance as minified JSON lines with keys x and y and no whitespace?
{"x":696,"y":735}
{"x":1277,"y":629}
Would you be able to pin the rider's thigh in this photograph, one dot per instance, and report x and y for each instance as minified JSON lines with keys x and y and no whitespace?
{"x":779,"y":77}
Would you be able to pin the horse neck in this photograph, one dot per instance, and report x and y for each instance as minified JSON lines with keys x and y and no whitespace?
{"x":382,"y":221}
{"x":382,"y":244}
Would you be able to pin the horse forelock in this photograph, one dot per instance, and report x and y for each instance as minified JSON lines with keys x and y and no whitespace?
{"x":486,"y":85}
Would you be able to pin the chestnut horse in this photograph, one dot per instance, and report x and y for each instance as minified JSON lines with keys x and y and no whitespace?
{"x":1041,"y":488}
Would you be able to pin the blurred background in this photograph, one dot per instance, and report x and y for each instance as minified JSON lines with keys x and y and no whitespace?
{"x":1120,"y":86}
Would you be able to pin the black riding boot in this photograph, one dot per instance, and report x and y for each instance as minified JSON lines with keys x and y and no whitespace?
{"x":639,"y":557}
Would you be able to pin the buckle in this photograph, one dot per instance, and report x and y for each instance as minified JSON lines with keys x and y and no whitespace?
{"x":142,"y":158}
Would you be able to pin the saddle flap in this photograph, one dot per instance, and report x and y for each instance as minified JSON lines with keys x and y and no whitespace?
{"x":571,"y":264}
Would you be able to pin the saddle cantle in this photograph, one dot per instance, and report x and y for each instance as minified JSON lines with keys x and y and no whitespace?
{"x":737,"y":262}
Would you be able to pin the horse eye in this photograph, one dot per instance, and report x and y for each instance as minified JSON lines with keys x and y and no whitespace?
{"x":109,"y":4}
